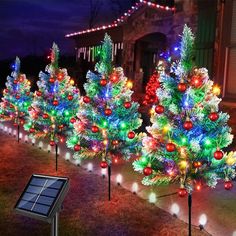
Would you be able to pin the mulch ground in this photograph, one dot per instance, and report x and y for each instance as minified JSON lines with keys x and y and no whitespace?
{"x":86,"y":208}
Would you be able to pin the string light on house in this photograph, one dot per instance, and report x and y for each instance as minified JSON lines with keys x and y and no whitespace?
{"x":202,"y":221}
{"x":174,"y":209}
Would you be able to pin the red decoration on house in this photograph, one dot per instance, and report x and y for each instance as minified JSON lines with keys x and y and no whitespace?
{"x":151,"y":87}
{"x":170,"y":147}
{"x":77,"y":147}
{"x":218,"y":154}
{"x":159,"y":109}
{"x":182,"y":192}
{"x":94,"y":129}
{"x":213,"y":116}
{"x":108,"y":111}
{"x":131,"y":135}
{"x":86,"y":99}
{"x":147,"y":171}
{"x":103,"y":164}
{"x":228,"y":185}
{"x":72,"y":120}
{"x":127,"y":105}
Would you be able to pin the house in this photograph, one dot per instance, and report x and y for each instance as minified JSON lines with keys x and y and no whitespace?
{"x":148,"y":28}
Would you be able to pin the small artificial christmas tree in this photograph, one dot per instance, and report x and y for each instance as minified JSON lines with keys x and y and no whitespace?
{"x":16,"y":97}
{"x":107,"y":119}
{"x":185,"y":143}
{"x":55,"y":103}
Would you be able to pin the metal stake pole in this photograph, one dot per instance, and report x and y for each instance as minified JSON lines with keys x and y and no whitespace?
{"x":18,"y":134}
{"x":56,"y":147}
{"x":54,"y":227}
{"x":109,"y":182}
{"x":189,"y":213}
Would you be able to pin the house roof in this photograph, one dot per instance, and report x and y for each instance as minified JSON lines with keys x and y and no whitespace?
{"x":123,"y":18}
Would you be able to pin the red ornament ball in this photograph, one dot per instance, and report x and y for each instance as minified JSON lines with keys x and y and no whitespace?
{"x":77,"y":147}
{"x":39,"y":93}
{"x":127,"y":105}
{"x":6,"y":90}
{"x":94,"y":129}
{"x":108,"y":111}
{"x":170,"y":147}
{"x":103,"y":82}
{"x":159,"y":109}
{"x":70,"y":97}
{"x":182,"y":87}
{"x":55,"y":103}
{"x":72,"y":120}
{"x":188,"y":125}
{"x":213,"y":116}
{"x":15,"y":124}
{"x":51,"y":80}
{"x":196,"y":81}
{"x":15,"y":81}
{"x":31,"y":130}
{"x":52,"y":143}
{"x":131,"y":135}
{"x":147,"y":171}
{"x":17,"y":96}
{"x":182,"y":192}
{"x":103,"y":164}
{"x":228,"y":185}
{"x":45,"y":116}
{"x":27,"y":93}
{"x":218,"y":154}
{"x":86,"y":99}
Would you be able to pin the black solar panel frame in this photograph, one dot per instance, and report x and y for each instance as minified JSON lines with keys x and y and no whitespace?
{"x":56,"y":205}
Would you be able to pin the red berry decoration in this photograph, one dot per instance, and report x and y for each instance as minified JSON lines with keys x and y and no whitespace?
{"x":60,"y":126}
{"x":52,"y":143}
{"x":228,"y":185}
{"x":55,"y":103}
{"x":170,"y":147}
{"x":77,"y":147}
{"x":182,"y":87}
{"x":103,"y":82}
{"x":115,"y":142}
{"x":159,"y":109}
{"x":103,"y":164}
{"x":197,"y":164}
{"x":51,"y":80}
{"x":94,"y":129}
{"x":196,"y":81}
{"x":86,"y":99}
{"x":127,"y":105}
{"x":39,"y":93}
{"x":218,"y":154}
{"x":188,"y":125}
{"x":31,"y":130}
{"x":147,"y":171}
{"x":72,"y":120}
{"x":131,"y":135}
{"x":108,"y":111}
{"x":45,"y":116}
{"x":70,"y":97}
{"x":213,"y":116}
{"x":182,"y":192}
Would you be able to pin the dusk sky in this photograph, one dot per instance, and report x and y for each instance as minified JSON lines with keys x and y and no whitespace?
{"x":31,"y":26}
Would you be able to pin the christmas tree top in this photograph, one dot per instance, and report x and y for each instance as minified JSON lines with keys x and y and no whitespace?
{"x":185,"y":144}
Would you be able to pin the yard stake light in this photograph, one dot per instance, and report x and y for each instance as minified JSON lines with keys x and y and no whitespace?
{"x":202,"y":221}
{"x":90,"y":167}
{"x":103,"y":172}
{"x":119,"y":179}
{"x":67,"y":156}
{"x":134,"y":188}
{"x":152,"y":198}
{"x":175,"y":209}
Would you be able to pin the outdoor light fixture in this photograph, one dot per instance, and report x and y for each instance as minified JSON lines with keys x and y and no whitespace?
{"x":49,"y":148}
{"x":20,"y":135}
{"x":103,"y":171}
{"x":202,"y":221}
{"x":26,"y":138}
{"x":67,"y":156}
{"x":175,"y":209}
{"x":9,"y":130}
{"x":33,"y":141}
{"x":14,"y":132}
{"x":134,"y":188}
{"x":78,"y":161}
{"x":40,"y":145}
{"x":90,"y":167}
{"x":152,"y":198}
{"x":5,"y":129}
{"x":119,"y":179}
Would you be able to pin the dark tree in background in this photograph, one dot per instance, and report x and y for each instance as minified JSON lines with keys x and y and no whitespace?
{"x":95,"y":7}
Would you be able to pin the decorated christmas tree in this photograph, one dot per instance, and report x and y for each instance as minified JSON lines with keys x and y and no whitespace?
{"x":54,"y":104}
{"x":106,"y":122}
{"x":188,"y":133}
{"x":16,"y":97}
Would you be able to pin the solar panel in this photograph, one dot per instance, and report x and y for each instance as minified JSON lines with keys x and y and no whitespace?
{"x":42,"y":196}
